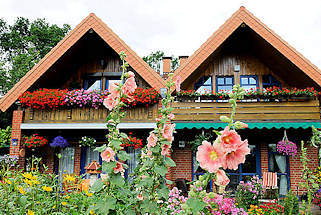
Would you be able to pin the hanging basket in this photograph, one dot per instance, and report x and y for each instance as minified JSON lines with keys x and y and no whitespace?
{"x":286,"y":147}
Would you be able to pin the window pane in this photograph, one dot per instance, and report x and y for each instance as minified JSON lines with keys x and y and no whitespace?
{"x":224,"y":88}
{"x":220,"y":81}
{"x":93,"y":84}
{"x":250,"y":163}
{"x":244,"y":81}
{"x":229,"y":81}
{"x":208,"y":81}
{"x":252,"y":81}
{"x":249,"y":87}
{"x":204,"y":89}
{"x":110,"y":82}
{"x":133,"y":161}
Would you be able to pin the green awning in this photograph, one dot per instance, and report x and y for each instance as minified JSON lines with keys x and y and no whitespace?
{"x":269,"y":125}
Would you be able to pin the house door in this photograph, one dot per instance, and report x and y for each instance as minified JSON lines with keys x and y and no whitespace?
{"x":251,"y":167}
{"x":66,"y":162}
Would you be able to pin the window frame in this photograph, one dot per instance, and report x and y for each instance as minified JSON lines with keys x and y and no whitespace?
{"x":271,"y":77}
{"x":200,"y":83}
{"x":226,"y":76}
{"x":85,"y":87}
{"x":250,"y":76}
{"x":107,"y":78}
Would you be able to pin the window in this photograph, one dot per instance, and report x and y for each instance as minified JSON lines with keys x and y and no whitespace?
{"x":249,"y":82}
{"x":132,"y":162}
{"x":93,"y":84}
{"x":224,"y":83}
{"x":280,"y":164}
{"x":204,"y":85}
{"x":110,"y":81}
{"x":251,"y":167}
{"x":270,"y":81}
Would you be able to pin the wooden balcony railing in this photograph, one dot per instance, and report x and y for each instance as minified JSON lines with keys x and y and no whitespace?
{"x":259,"y":110}
{"x":88,"y":115}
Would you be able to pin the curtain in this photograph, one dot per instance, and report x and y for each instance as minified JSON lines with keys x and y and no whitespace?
{"x":195,"y":163}
{"x":281,"y":162}
{"x":66,"y":163}
{"x":133,"y":161}
{"x":90,"y":156}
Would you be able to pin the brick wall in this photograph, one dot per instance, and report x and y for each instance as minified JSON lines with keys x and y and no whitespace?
{"x":183,"y":160}
{"x":296,"y":167}
{"x":16,"y":134}
{"x":77,"y":159}
{"x":264,"y":158}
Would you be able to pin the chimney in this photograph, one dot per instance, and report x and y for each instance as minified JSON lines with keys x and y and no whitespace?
{"x":166,"y":66}
{"x":182,"y":60}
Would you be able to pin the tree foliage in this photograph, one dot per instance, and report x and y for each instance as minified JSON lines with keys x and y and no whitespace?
{"x":154,"y":60}
{"x":22,"y":45}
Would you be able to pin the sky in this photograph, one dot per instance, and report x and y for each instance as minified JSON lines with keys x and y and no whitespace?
{"x":179,"y":27}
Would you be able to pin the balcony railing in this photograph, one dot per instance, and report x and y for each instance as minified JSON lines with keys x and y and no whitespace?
{"x":88,"y":115}
{"x":191,"y":110}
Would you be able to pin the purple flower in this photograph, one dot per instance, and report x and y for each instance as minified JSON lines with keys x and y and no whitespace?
{"x":59,"y":141}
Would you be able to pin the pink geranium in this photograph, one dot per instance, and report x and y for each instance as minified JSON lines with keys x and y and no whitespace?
{"x":152,"y":140}
{"x":119,"y":168}
{"x":234,"y":158}
{"x":108,"y":155}
{"x":178,"y":83}
{"x":221,"y":178}
{"x":210,"y":156}
{"x":165,"y":149}
{"x":167,"y":132}
{"x":230,"y":140}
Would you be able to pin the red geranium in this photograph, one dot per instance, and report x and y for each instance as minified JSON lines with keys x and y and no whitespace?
{"x":135,"y":142}
{"x":35,"y":141}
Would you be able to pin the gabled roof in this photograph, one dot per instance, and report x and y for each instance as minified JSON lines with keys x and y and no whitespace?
{"x":238,"y":18}
{"x":90,"y":22}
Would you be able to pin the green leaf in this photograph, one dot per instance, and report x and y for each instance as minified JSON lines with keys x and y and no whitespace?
{"x":122,"y":155}
{"x":149,"y":206}
{"x":161,"y":170}
{"x":195,"y":204}
{"x":168,"y":181}
{"x":97,"y":186}
{"x":169,"y":162}
{"x":103,"y":206}
{"x":123,"y":135}
{"x":155,"y":149}
{"x":24,"y":200}
{"x":163,"y":192}
{"x":117,"y":180}
{"x":101,"y":148}
{"x":108,"y":166}
{"x":130,"y":211}
{"x":116,"y":144}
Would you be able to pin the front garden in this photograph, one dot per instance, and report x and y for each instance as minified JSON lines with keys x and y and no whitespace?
{"x":149,"y":192}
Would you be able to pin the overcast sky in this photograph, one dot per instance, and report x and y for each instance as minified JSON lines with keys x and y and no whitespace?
{"x":179,"y":27}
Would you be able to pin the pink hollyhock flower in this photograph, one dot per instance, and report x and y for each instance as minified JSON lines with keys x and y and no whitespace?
{"x":114,"y":91}
{"x":210,"y":156}
{"x":240,"y":125}
{"x":149,"y":153}
{"x":119,"y":168}
{"x":221,"y":178}
{"x":178,"y":83}
{"x":143,"y":176}
{"x":108,"y":155}
{"x":167,"y":131}
{"x":165,"y":149}
{"x":129,"y":87}
{"x":234,"y":158}
{"x":230,"y":139}
{"x":110,"y":102}
{"x":130,"y":74}
{"x":171,"y":116}
{"x":152,"y":140}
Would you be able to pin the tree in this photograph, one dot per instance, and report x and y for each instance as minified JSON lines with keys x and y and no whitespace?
{"x":154,"y":60}
{"x":22,"y":45}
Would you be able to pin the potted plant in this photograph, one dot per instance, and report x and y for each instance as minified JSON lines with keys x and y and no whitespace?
{"x":286,"y":147}
{"x":87,"y":141}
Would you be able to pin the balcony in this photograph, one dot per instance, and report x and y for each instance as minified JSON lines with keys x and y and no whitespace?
{"x":248,"y":110}
{"x":88,"y":115}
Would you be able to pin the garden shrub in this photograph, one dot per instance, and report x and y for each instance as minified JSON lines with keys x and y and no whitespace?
{"x":291,"y":204}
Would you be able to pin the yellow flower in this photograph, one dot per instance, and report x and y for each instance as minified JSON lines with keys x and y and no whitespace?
{"x":48,"y":189}
{"x":21,"y":190}
{"x":7,"y":181}
{"x":91,"y":211}
{"x":67,"y":197}
{"x":64,"y":203}
{"x":30,"y":212}
{"x":53,"y":207}
{"x":69,"y":178}
{"x":29,"y":176}
{"x":89,"y":194}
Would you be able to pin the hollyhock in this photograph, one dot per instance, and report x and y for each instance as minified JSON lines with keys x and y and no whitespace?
{"x":234,"y":158}
{"x":221,"y":178}
{"x":119,"y":168}
{"x":178,"y":83}
{"x":130,"y":74}
{"x":165,"y":149}
{"x":167,"y":131}
{"x":210,"y":156}
{"x":152,"y":140}
{"x":230,"y":140}
{"x":110,"y":102}
{"x":171,"y":116}
{"x":129,"y":87}
{"x":114,"y":91}
{"x":108,"y":155}
{"x":149,"y":153}
{"x":140,"y":196}
{"x":240,"y":125}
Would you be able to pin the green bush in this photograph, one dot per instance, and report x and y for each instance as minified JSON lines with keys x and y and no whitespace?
{"x":291,"y":204}
{"x":5,"y":137}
